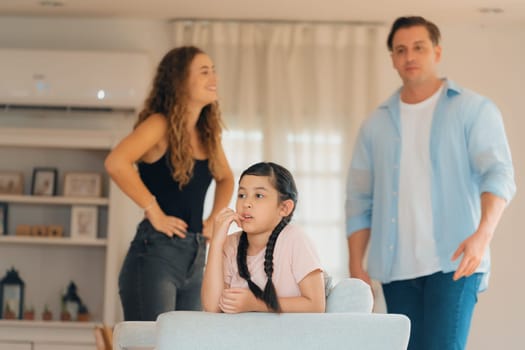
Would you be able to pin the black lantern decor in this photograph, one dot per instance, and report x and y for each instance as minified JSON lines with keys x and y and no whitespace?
{"x":11,"y":296}
{"x":71,"y":302}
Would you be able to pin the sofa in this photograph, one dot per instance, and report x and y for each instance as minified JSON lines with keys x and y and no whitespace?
{"x":347,"y":324}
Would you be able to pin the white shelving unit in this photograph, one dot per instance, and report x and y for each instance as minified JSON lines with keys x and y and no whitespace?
{"x":53,"y":200}
{"x":66,"y":109}
{"x":67,"y":142}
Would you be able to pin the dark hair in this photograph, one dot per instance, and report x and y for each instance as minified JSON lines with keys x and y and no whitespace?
{"x":282,"y":180}
{"x":412,"y":21}
{"x":169,"y":97}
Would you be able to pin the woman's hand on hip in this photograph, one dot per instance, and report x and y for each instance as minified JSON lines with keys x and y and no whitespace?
{"x":169,"y":225}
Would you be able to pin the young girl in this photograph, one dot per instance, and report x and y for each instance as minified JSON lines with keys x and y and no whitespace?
{"x":269,"y":266}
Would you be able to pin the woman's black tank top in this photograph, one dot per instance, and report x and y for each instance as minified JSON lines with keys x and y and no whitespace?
{"x":186,"y":204}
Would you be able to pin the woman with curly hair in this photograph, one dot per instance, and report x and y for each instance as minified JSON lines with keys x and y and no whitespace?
{"x":176,"y":146}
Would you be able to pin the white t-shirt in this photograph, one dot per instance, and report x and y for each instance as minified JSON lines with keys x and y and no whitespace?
{"x":294,"y":257}
{"x":416,"y":253}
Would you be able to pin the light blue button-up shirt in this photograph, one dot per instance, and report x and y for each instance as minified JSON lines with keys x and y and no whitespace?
{"x":469,"y":155}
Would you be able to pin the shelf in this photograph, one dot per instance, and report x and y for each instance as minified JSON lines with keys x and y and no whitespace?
{"x":57,"y":138}
{"x":48,"y":324}
{"x":57,"y":200}
{"x":31,"y":240}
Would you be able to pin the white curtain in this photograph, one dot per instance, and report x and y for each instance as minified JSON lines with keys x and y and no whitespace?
{"x":294,"y":94}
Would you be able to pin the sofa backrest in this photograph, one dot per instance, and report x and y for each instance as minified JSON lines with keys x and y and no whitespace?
{"x":184,"y":330}
{"x":347,"y":323}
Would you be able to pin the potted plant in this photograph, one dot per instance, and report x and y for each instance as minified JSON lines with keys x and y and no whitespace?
{"x":64,"y":314}
{"x":9,"y":314}
{"x":29,"y":313}
{"x":47,"y":315}
{"x":83,"y":313}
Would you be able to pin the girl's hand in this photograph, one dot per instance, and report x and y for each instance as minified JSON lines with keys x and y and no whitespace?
{"x":222,"y":223}
{"x":235,"y":300}
{"x":169,"y":225}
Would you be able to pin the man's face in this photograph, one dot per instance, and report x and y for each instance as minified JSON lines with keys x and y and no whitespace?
{"x":414,"y":56}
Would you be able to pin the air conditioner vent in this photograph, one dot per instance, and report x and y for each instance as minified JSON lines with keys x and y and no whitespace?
{"x":58,"y":108}
{"x":60,"y":80}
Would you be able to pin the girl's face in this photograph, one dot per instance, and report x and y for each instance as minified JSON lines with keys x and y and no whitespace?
{"x":202,"y":80}
{"x":258,"y":205}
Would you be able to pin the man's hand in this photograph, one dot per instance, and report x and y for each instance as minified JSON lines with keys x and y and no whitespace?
{"x":357,"y":244}
{"x":362,"y":275}
{"x":473,"y":249}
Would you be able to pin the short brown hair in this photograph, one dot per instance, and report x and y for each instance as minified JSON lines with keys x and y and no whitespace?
{"x":411,"y":21}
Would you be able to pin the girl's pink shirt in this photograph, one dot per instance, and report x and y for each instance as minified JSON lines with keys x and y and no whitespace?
{"x":294,"y":257}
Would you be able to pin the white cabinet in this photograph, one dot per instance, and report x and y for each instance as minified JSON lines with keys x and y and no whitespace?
{"x":63,"y":347}
{"x":40,"y":335}
{"x":69,"y":142}
{"x":15,"y":346}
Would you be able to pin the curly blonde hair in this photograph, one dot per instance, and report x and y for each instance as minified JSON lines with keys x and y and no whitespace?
{"x":169,"y":97}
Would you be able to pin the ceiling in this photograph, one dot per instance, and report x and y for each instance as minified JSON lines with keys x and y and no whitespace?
{"x":474,"y":11}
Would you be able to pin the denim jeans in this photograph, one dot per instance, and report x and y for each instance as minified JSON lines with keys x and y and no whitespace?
{"x":161,"y":274}
{"x":439,"y":308}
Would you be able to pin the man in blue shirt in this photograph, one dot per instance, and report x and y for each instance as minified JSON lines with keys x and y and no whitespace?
{"x":429,"y":179}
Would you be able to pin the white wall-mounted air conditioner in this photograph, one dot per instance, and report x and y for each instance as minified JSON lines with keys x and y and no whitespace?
{"x":73,"y":79}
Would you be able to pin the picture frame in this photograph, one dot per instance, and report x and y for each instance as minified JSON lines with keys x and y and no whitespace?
{"x":44,"y":182}
{"x":11,"y":182}
{"x":3,"y":218}
{"x":84,"y":222}
{"x":83,"y":184}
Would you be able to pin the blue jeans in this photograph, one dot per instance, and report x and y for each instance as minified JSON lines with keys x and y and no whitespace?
{"x":161,"y":274}
{"x":439,"y":308}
